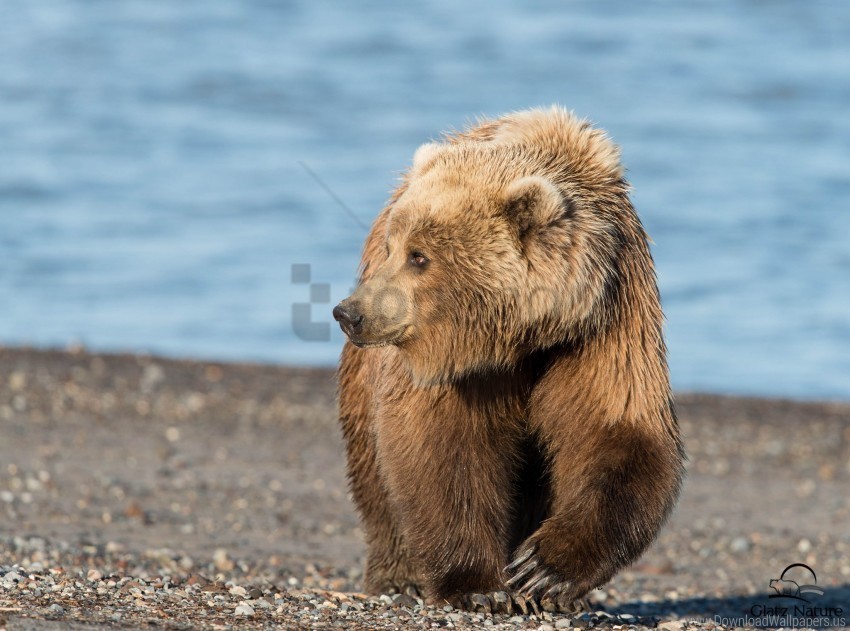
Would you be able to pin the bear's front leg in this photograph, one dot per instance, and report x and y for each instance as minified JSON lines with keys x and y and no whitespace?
{"x":390,"y":567}
{"x":447,"y":456}
{"x":614,"y":481}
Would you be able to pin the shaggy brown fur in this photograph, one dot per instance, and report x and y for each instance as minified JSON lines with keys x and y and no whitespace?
{"x":512,"y":428}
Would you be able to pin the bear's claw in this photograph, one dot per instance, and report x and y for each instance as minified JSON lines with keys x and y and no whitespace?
{"x":473,"y":602}
{"x":515,"y":603}
{"x":537,"y":581}
{"x":525,"y":575}
{"x":410,"y":589}
{"x":495,"y":602}
{"x":522,"y":558}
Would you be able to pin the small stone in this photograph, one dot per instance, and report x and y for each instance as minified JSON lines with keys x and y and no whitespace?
{"x":197,"y":579}
{"x":223,"y":562}
{"x":516,"y":620}
{"x":563,"y":623}
{"x":545,"y":627}
{"x":238,"y":591}
{"x":670,"y":626}
{"x":804,"y":546}
{"x":739,"y":544}
{"x":448,"y":608}
{"x":152,"y":375}
{"x":56,"y":609}
{"x":17,"y":381}
{"x":94,"y":575}
{"x":244,"y":609}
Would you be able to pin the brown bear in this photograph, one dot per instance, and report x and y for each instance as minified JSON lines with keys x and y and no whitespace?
{"x":510,"y":429}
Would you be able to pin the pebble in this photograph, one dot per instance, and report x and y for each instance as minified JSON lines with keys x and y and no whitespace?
{"x":223,"y":562}
{"x":254,"y":593}
{"x":244,"y":609}
{"x":17,"y":381}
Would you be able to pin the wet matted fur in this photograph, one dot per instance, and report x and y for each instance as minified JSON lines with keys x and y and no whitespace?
{"x":508,"y":418}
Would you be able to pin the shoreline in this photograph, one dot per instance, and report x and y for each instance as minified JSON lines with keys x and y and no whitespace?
{"x":80,"y":350}
{"x":140,"y":490}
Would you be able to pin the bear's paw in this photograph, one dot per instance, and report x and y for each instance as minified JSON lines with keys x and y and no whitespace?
{"x":535,"y":579}
{"x":507,"y":602}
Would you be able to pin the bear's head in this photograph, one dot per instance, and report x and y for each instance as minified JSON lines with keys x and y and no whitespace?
{"x":491,"y":250}
{"x":786,"y":588}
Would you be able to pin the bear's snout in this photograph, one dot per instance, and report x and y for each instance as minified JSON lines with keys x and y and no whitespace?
{"x":349,"y":317}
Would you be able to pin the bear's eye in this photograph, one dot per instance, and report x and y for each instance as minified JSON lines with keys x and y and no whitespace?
{"x":417,"y":259}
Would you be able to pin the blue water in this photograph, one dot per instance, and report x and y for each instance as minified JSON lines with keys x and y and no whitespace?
{"x":151,"y":196}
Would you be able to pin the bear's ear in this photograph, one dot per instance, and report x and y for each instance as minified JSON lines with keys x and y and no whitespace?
{"x":425,"y":155}
{"x":533,"y":201}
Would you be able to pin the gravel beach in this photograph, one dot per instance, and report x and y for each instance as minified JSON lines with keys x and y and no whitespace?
{"x":138,"y":491}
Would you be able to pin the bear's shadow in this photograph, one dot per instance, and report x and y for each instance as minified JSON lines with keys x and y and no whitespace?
{"x":836,"y":596}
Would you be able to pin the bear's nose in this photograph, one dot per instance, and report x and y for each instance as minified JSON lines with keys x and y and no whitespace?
{"x":348,"y":316}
